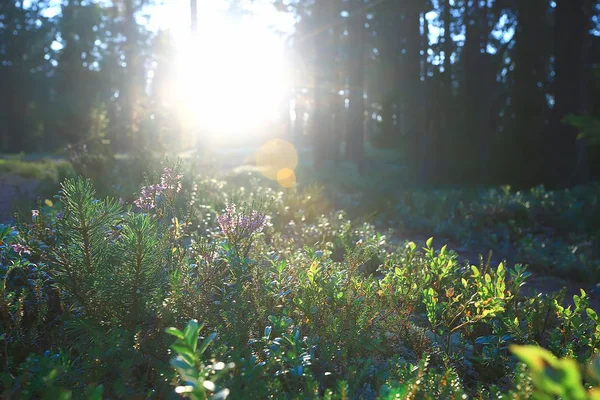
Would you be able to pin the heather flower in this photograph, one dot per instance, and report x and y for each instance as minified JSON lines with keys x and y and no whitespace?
{"x":169,"y":182}
{"x":237,"y":225}
{"x":227,"y":220}
{"x":147,"y":199}
{"x":20,"y":249}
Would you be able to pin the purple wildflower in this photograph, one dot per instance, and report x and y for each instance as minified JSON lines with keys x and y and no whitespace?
{"x":19,"y":249}
{"x":168,"y":183}
{"x":147,"y":198}
{"x":60,"y":215}
{"x":227,"y":220}
{"x":238,"y":225}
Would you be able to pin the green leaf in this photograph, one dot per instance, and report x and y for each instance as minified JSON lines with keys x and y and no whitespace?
{"x":207,"y":342}
{"x":267,"y":332}
{"x":535,"y":357}
{"x":185,"y":353}
{"x":175,"y":332}
{"x":429,"y":242}
{"x":594,"y":368}
{"x":593,"y":315}
{"x":180,"y":364}
{"x":4,"y":231}
{"x":94,"y":393}
{"x":191,"y":332}
{"x":64,"y":395}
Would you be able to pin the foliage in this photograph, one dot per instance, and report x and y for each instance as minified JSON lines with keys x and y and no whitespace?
{"x":52,"y":171}
{"x":298,"y":300}
{"x":588,"y":127}
{"x":557,"y":377}
{"x":188,"y":364}
{"x":554,"y":231}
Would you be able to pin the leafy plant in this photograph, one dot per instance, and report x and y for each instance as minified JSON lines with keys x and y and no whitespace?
{"x":552,"y":376}
{"x":198,"y":380}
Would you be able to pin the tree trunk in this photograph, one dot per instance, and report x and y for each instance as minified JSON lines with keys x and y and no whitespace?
{"x":324,"y":79}
{"x":132,"y":72}
{"x":529,"y":94}
{"x":477,"y":86}
{"x":356,"y":111}
{"x":412,"y":96}
{"x":571,"y":38}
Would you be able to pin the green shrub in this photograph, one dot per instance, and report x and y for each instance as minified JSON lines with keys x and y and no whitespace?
{"x":296,"y":299}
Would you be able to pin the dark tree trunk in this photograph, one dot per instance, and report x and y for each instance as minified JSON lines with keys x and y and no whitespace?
{"x":16,"y":119}
{"x":390,"y":79}
{"x":324,"y":77}
{"x":73,"y":117}
{"x":356,"y":118}
{"x":418,"y":146}
{"x":412,"y":96}
{"x":478,"y":84}
{"x":133,"y":73}
{"x":445,"y":115}
{"x":529,"y":94}
{"x":567,"y":156}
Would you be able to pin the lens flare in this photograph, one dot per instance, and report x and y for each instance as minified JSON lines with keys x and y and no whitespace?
{"x":274,"y":156}
{"x":286,"y":177}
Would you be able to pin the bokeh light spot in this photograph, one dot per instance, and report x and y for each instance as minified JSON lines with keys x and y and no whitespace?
{"x":274,"y":156}
{"x":286,"y":177}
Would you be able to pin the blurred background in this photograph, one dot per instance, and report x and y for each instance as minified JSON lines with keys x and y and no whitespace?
{"x":469,"y":92}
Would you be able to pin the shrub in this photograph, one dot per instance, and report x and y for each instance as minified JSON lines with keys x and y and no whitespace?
{"x":103,"y":298}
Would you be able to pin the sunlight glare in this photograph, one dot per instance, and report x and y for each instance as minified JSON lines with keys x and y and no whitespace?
{"x":277,"y":160}
{"x":231,"y":79}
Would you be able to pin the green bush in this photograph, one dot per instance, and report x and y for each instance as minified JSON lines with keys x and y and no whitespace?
{"x":101,"y":298}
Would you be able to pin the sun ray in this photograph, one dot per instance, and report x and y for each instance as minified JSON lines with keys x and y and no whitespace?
{"x":230,"y":78}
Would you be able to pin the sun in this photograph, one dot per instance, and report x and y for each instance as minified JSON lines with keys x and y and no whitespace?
{"x":231,"y":76}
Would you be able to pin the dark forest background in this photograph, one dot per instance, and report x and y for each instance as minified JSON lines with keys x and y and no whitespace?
{"x":508,"y":92}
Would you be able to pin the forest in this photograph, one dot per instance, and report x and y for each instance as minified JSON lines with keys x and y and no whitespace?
{"x":300,"y":199}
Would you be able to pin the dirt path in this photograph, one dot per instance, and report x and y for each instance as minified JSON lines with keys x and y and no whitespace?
{"x":14,"y":189}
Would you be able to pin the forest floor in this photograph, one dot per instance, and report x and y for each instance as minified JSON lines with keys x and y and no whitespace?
{"x":17,"y":190}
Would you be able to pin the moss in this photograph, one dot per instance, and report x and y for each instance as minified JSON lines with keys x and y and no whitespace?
{"x":46,"y":170}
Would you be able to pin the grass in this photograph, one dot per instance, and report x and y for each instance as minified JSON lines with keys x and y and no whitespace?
{"x":52,"y":171}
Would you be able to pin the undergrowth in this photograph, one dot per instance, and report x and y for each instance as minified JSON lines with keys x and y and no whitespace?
{"x":201,"y":287}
